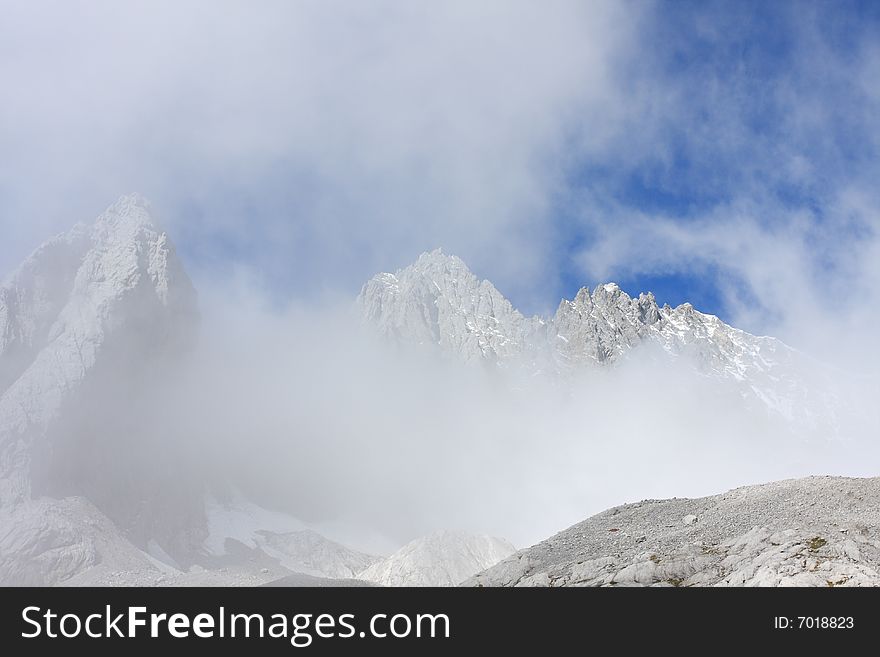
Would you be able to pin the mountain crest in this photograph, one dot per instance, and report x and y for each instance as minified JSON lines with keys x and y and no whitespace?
{"x":116,"y":281}
{"x":439,"y":302}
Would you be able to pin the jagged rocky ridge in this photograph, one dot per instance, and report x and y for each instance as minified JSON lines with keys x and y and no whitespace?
{"x":439,"y":302}
{"x":818,"y":531}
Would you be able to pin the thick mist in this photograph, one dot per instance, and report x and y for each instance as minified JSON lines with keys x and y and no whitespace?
{"x":372,"y":444}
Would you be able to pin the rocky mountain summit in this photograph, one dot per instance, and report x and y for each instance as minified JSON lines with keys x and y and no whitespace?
{"x":437,"y":302}
{"x":818,"y":531}
{"x":97,"y":314}
{"x":98,"y":297}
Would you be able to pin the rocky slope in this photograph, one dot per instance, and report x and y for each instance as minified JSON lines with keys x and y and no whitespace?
{"x":438,"y":302}
{"x":238,"y":527}
{"x":444,"y":558}
{"x":46,"y":542}
{"x":818,"y":531}
{"x":92,"y":321}
{"x":114,"y":290}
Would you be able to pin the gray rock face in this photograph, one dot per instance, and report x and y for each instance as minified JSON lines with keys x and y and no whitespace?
{"x":818,"y":531}
{"x":87,"y":323}
{"x":438,"y":302}
{"x":116,"y":285}
{"x":40,"y":545}
{"x":46,"y":542}
{"x":602,"y":327}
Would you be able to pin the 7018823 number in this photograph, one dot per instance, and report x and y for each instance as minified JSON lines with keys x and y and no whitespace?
{"x":825,"y":622}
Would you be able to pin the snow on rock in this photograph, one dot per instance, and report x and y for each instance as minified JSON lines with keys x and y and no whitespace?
{"x":818,"y":531}
{"x":437,"y":301}
{"x":63,"y":305}
{"x":241,"y":520}
{"x":97,"y":301}
{"x":444,"y":558}
{"x":45,"y":542}
{"x":281,"y":537}
{"x":310,"y":553}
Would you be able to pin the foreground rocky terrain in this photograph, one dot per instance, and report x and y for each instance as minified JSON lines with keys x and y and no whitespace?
{"x":818,"y":531}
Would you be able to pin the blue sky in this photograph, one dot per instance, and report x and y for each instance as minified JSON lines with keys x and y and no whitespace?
{"x":746,"y":71}
{"x":723,"y":153}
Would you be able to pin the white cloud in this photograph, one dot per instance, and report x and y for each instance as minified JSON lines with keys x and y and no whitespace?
{"x":341,"y":137}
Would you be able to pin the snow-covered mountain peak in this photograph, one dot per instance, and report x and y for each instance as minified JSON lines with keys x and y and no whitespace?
{"x":445,"y":271}
{"x":438,"y":301}
{"x":114,"y":284}
{"x":132,"y":203}
{"x":126,"y":217}
{"x":437,"y":258}
{"x":582,"y":298}
{"x":609,"y":290}
{"x":102,"y":312}
{"x":607,"y":296}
